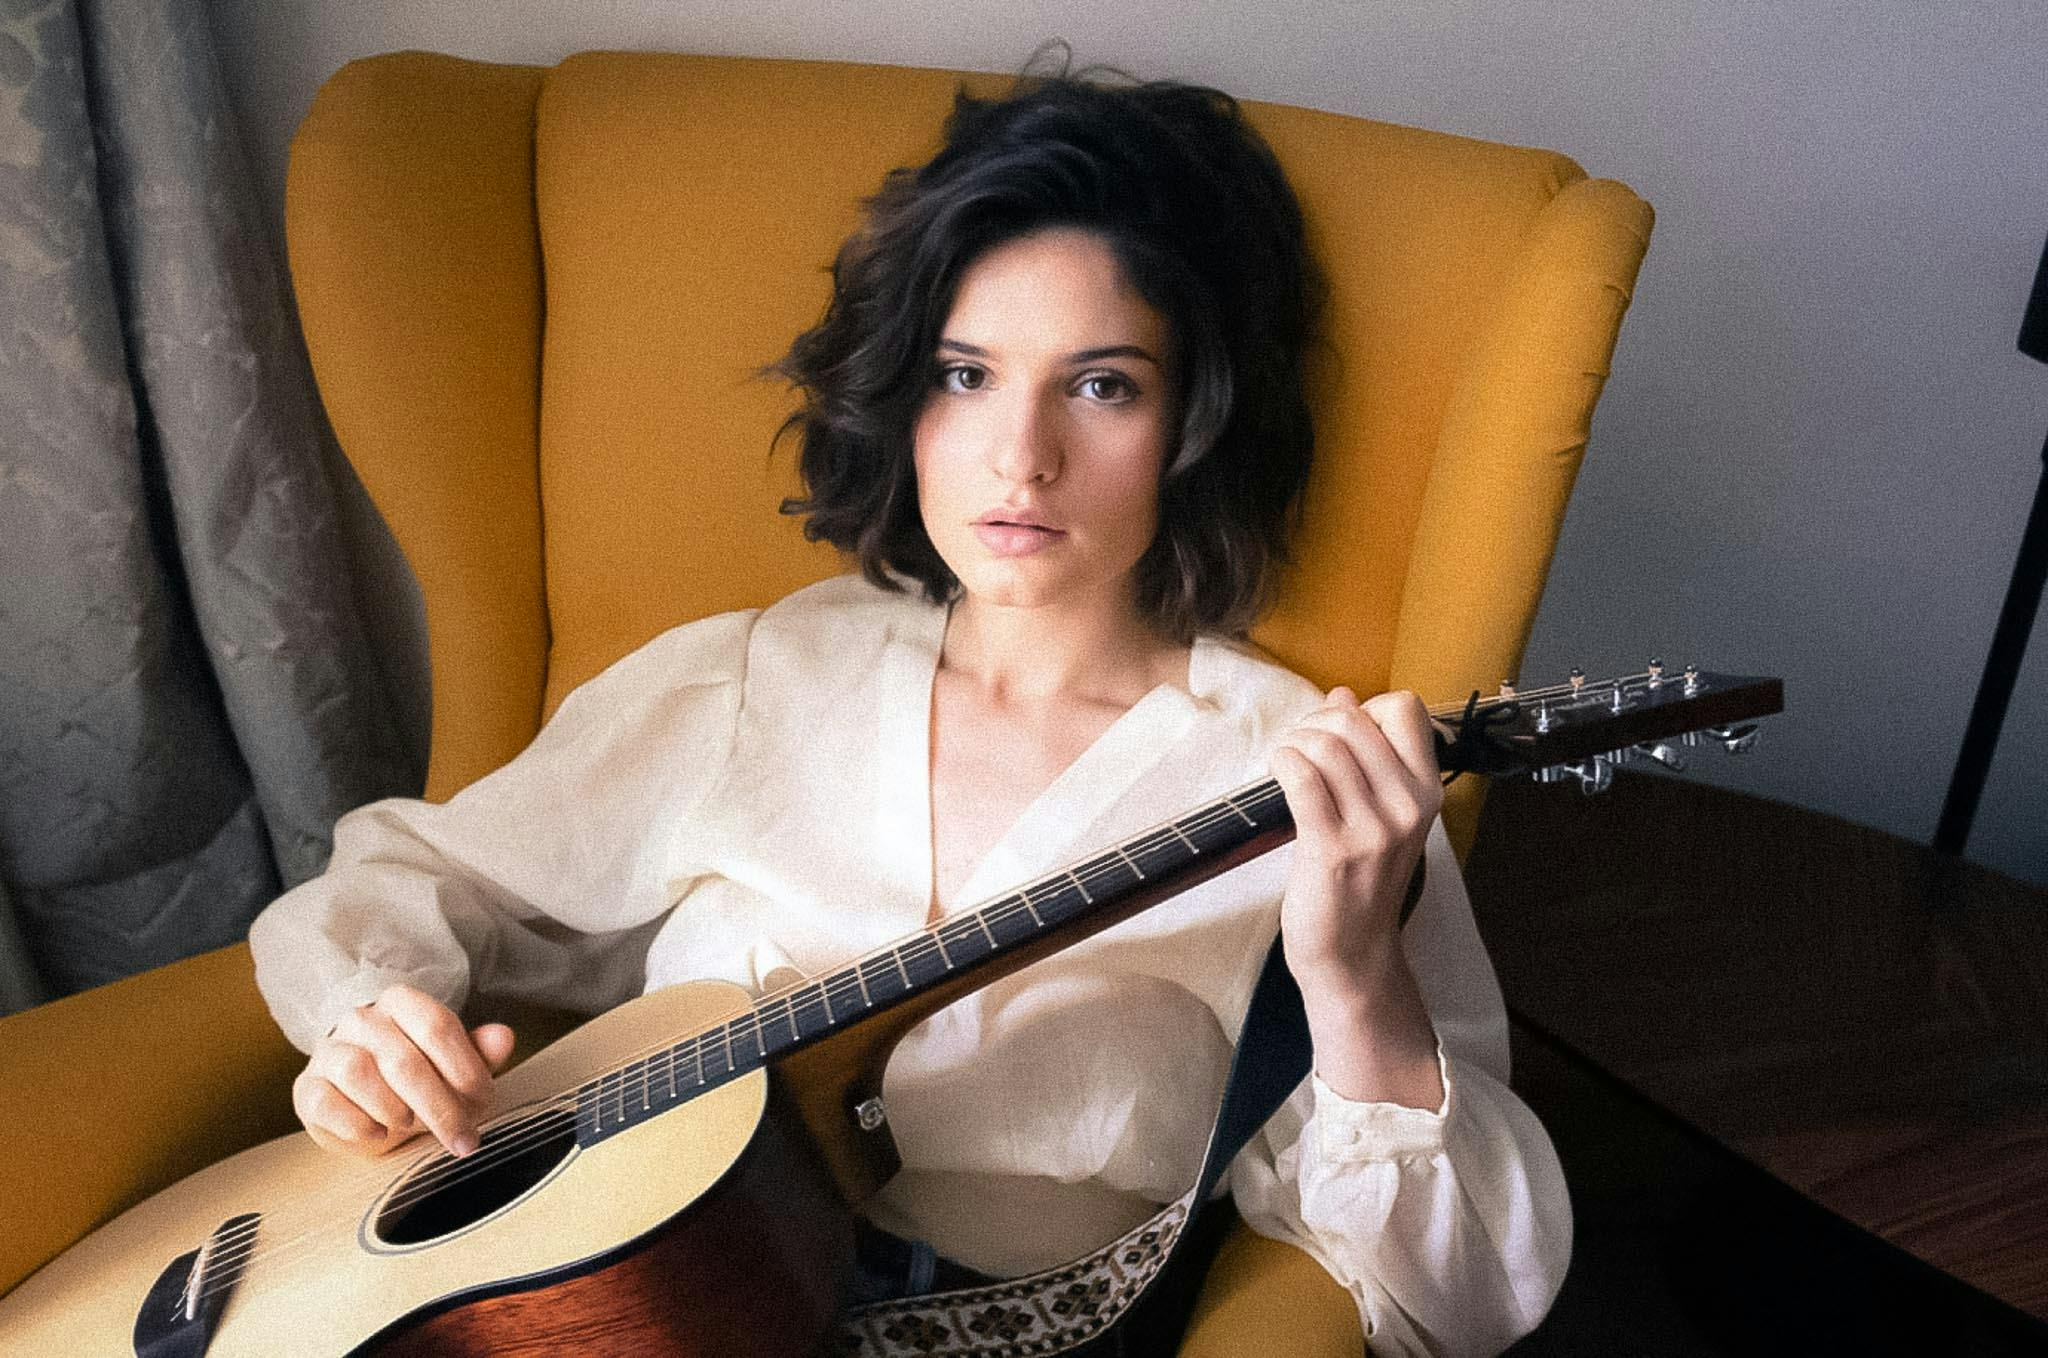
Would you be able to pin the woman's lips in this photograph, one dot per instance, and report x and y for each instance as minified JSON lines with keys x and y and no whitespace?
{"x":1015,"y":539}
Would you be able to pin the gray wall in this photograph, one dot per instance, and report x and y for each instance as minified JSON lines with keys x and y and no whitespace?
{"x":1817,"y":450}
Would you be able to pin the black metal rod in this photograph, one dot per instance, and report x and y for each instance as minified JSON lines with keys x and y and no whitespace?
{"x":2001,"y":672}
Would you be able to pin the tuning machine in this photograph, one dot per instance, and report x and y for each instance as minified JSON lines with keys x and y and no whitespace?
{"x":1737,"y":739}
{"x":1661,"y":753}
{"x":1733,"y":739}
{"x":1595,"y":774}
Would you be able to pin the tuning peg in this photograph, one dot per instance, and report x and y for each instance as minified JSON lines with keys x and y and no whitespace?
{"x":1656,"y":669}
{"x":1736,"y":739}
{"x":1692,"y":680}
{"x":1594,"y":775}
{"x":1664,"y":754}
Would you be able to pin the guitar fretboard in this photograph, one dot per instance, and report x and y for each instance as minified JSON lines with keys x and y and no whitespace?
{"x":787,"y":1020}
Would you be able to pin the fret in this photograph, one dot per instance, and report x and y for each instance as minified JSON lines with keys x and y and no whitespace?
{"x":1114,"y":869}
{"x":989,"y":933}
{"x":886,"y":981}
{"x":865,"y":998}
{"x":940,"y":944}
{"x":923,"y":963}
{"x":1007,"y":924}
{"x":825,"y":993}
{"x":806,"y":1018}
{"x":1130,"y":862}
{"x":744,"y":1044}
{"x":646,"y":1089}
{"x":777,"y":1011}
{"x":1268,"y":797}
{"x":697,"y":1053}
{"x":1175,"y":827}
{"x":1216,"y":833}
{"x":717,"y":1066}
{"x":967,"y":941}
{"x":853,"y":992}
{"x":897,"y":953}
{"x":672,"y":1095}
{"x":1025,"y":896}
{"x":1231,"y":802}
{"x":1163,"y":853}
{"x":1081,"y":886}
{"x":1064,"y":899}
{"x":809,"y":1014}
{"x":730,"y":1063}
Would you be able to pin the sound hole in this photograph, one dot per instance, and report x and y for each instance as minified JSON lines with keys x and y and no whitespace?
{"x":446,"y":1195}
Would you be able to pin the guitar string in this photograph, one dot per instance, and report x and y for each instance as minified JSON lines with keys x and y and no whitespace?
{"x":557,"y":1112}
{"x":533,"y":1126}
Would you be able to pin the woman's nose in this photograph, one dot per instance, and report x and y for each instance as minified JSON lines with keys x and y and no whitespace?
{"x":1024,"y":446}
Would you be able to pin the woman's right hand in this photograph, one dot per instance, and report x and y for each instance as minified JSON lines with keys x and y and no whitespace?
{"x":392,"y":1067}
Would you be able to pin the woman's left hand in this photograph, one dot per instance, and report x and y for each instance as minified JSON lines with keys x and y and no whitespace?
{"x":1364,"y":788}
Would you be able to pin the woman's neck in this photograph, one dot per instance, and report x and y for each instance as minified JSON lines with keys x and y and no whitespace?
{"x":1107,"y":655}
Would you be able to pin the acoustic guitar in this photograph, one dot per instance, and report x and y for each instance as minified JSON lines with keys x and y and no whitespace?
{"x":677,"y":1175}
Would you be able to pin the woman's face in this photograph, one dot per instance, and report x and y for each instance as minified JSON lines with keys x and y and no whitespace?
{"x":1040,"y":446}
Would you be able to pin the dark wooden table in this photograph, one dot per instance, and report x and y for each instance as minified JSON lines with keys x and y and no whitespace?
{"x":1862,"y":1018}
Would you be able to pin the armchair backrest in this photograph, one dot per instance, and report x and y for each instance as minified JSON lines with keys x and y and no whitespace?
{"x":538,"y":300}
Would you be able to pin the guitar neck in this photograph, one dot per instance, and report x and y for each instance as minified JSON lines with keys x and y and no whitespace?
{"x":1510,"y":733}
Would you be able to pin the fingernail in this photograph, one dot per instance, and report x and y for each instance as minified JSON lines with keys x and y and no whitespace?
{"x":464,"y":1145}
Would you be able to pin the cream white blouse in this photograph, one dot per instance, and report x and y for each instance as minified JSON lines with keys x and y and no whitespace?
{"x":751,"y":792}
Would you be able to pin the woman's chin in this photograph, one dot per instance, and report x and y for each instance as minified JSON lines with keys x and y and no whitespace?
{"x":1018,"y":583}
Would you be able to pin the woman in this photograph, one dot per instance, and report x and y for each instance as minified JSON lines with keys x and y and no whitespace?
{"x":1055,"y":411}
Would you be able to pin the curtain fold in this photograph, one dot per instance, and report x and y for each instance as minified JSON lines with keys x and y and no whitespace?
{"x":188,"y":698}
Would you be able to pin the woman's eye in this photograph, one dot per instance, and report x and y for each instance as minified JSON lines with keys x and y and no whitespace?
{"x":1108,"y":387}
{"x":961,"y":377}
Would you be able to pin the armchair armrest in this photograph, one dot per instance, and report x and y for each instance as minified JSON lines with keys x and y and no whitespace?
{"x":110,"y":1095}
{"x":1263,"y":1295}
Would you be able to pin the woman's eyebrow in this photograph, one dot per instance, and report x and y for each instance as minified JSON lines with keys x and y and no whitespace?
{"x":1078,"y":356}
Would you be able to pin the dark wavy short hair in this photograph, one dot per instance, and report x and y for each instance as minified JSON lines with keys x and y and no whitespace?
{"x":1201,"y":220}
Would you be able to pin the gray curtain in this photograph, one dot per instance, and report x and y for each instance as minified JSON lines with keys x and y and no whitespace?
{"x":187,"y":698}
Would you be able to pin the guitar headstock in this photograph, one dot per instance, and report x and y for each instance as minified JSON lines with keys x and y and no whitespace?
{"x":1585,"y":729}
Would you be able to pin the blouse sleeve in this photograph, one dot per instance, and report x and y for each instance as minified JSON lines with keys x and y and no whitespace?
{"x":1450,"y":1227}
{"x":543,"y":881}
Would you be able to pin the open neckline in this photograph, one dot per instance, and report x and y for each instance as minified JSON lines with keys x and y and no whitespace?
{"x":1075,"y":798}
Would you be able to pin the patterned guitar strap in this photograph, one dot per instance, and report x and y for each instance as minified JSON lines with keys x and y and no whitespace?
{"x":1143,"y":1280}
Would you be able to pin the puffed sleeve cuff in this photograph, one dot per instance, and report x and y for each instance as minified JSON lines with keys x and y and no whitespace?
{"x":1348,"y":1131}
{"x":307,"y":1003}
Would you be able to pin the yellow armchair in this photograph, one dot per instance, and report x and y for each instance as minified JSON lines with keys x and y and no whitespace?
{"x":537,"y":301}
